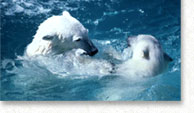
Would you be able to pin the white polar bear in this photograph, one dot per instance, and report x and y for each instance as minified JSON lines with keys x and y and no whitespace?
{"x":59,"y":34}
{"x":147,"y":59}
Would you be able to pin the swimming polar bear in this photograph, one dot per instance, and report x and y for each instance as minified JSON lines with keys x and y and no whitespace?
{"x":59,"y":34}
{"x":148,"y":58}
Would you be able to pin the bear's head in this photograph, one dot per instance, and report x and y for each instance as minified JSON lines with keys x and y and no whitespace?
{"x":59,"y":34}
{"x":147,"y":51}
{"x":61,"y":44}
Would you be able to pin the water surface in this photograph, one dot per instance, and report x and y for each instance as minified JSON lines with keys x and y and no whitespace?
{"x":110,"y":22}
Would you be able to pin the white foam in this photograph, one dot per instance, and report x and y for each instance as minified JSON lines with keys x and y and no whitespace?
{"x":68,"y":64}
{"x":31,"y":7}
{"x":19,"y":9}
{"x":141,"y":11}
{"x":6,"y":62}
{"x":124,"y":89}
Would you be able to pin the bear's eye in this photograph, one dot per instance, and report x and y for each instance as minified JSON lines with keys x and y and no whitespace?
{"x":78,"y":39}
{"x":48,"y":37}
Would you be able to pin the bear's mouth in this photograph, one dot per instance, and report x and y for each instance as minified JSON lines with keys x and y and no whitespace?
{"x":83,"y":52}
{"x":93,"y":52}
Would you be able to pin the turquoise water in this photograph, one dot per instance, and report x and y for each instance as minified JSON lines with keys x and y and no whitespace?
{"x":110,"y":22}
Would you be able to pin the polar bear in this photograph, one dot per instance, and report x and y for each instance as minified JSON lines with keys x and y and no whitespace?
{"x":59,"y":34}
{"x":147,"y":59}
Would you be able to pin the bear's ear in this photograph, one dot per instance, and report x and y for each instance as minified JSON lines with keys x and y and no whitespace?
{"x":131,"y":40}
{"x":48,"y":37}
{"x":145,"y":54}
{"x":76,"y":38}
{"x":66,"y":13}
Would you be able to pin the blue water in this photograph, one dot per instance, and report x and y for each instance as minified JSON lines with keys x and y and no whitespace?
{"x":107,"y":20}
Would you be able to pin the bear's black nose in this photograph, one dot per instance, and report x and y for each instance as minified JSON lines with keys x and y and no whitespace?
{"x":93,"y":52}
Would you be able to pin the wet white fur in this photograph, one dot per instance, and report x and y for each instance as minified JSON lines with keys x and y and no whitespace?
{"x":64,"y":28}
